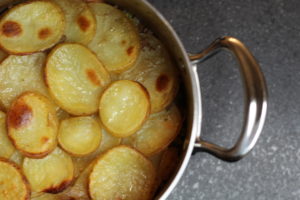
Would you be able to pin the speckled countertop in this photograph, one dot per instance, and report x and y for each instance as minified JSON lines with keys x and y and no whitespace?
{"x":271,"y":30}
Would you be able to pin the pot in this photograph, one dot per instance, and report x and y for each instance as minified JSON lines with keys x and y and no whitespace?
{"x":255,"y":91}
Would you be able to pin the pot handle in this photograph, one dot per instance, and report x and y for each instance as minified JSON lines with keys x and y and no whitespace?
{"x":255,"y":99}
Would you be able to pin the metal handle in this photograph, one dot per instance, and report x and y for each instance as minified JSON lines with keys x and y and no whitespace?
{"x":255,"y":99}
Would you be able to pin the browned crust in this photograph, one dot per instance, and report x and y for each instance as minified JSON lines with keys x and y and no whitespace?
{"x":153,"y":171}
{"x":44,"y":33}
{"x":11,"y":29}
{"x":83,"y":23}
{"x":19,"y":115}
{"x":92,"y":76}
{"x":48,"y":85}
{"x":24,"y":179}
{"x":12,"y":139}
{"x":22,"y":4}
{"x":58,"y":188}
{"x":145,"y":91}
{"x":162,"y":82}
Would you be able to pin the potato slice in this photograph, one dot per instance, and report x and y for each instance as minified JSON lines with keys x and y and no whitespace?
{"x":17,"y":158}
{"x":31,"y":26}
{"x":108,"y":141}
{"x":79,"y":135}
{"x":116,"y":42}
{"x":51,"y":174}
{"x":3,"y":55}
{"x":122,"y":173}
{"x":155,"y":70}
{"x":14,"y":185}
{"x":19,"y":74}
{"x":6,"y":147}
{"x":75,"y":78}
{"x":80,"y":21}
{"x":124,"y":107}
{"x":46,"y":196}
{"x":32,"y":125}
{"x":158,"y":131}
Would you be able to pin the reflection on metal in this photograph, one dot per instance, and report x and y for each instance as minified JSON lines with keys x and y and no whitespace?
{"x":255,"y":99}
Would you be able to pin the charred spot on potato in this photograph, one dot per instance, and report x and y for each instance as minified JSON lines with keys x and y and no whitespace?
{"x":20,"y":115}
{"x":44,"y":33}
{"x":130,"y":50}
{"x":57,"y":189}
{"x":162,"y":82}
{"x":83,"y":23}
{"x":93,"y":76}
{"x":11,"y":29}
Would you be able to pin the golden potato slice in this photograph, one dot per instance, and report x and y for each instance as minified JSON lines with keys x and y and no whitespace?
{"x":6,"y":147}
{"x":108,"y":141}
{"x":122,"y":173}
{"x":79,"y":135}
{"x":14,"y":185}
{"x":158,"y":131}
{"x":124,"y":107}
{"x":32,"y":125}
{"x":51,"y":174}
{"x":31,"y":26}
{"x":116,"y":42}
{"x":19,"y":74}
{"x":155,"y":70}
{"x":80,"y":21}
{"x":75,"y":78}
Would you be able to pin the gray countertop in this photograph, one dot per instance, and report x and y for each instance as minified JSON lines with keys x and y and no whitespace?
{"x":271,"y":30}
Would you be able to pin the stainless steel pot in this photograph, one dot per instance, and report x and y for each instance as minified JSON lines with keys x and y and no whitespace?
{"x":254,"y":88}
{"x":253,"y":80}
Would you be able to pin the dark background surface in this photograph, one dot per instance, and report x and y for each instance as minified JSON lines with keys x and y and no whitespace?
{"x":271,"y":30}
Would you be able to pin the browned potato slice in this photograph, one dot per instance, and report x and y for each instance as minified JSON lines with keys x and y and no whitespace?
{"x":124,"y":107}
{"x":108,"y":141}
{"x":116,"y":42}
{"x":14,"y":185}
{"x":75,"y":78}
{"x":155,"y":70}
{"x":6,"y":147}
{"x":158,"y":131}
{"x":122,"y":173}
{"x":32,"y":125}
{"x":32,"y":26}
{"x":79,"y":135}
{"x":19,"y":74}
{"x":169,"y":162}
{"x":51,"y":174}
{"x":80,"y":22}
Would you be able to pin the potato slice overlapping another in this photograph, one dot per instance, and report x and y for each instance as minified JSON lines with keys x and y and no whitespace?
{"x":6,"y":147}
{"x":32,"y":125}
{"x":31,"y":27}
{"x":116,"y":42}
{"x":122,"y":173}
{"x":75,"y":78}
{"x":14,"y":186}
{"x":51,"y":174}
{"x":124,"y":107}
{"x":80,"y":21}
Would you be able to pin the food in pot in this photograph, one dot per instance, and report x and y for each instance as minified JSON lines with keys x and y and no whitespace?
{"x":87,"y":100}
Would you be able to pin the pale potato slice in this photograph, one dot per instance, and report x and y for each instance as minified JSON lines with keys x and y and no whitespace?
{"x":80,"y":21}
{"x":122,"y":173}
{"x":31,"y":26}
{"x":14,"y":185}
{"x":19,"y":74}
{"x":6,"y":147}
{"x":116,"y":42}
{"x":158,"y":131}
{"x":46,"y":196}
{"x":108,"y":141}
{"x":75,"y":78}
{"x":79,"y":135}
{"x":51,"y":174}
{"x":32,"y":125}
{"x":155,"y":70}
{"x":124,"y":107}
